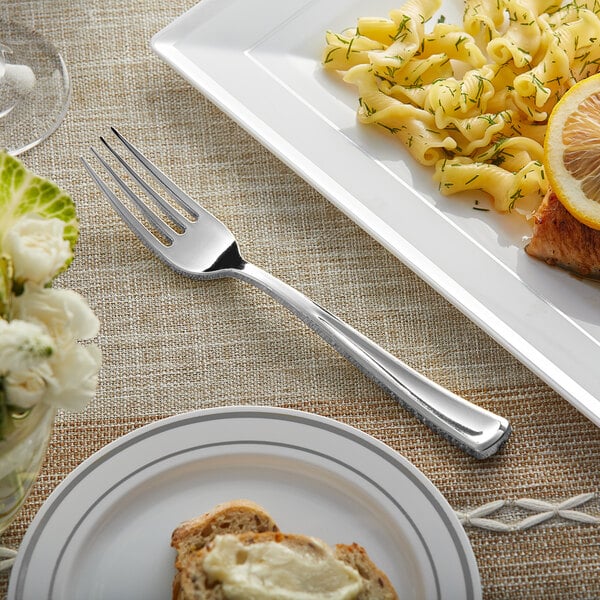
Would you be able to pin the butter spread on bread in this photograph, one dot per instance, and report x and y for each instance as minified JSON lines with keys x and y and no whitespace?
{"x":270,"y":569}
{"x":229,"y":517}
{"x":243,"y":533}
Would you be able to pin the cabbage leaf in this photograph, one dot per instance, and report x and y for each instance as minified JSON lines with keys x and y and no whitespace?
{"x":22,"y":192}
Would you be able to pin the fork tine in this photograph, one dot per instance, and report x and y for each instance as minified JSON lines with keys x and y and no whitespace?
{"x":178,"y":194}
{"x":167,"y":209}
{"x":135,"y":225}
{"x":164,"y":229}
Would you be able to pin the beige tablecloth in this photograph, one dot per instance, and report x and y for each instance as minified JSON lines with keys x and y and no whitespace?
{"x":172,"y":345}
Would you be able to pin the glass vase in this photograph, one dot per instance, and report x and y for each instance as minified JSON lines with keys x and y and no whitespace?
{"x":21,"y":455}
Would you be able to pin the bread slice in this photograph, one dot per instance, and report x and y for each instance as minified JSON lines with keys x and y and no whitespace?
{"x":196,"y":585}
{"x":237,"y":516}
{"x":376,"y":585}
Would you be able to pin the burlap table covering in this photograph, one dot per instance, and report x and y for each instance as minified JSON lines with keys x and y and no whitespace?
{"x":171,"y":345}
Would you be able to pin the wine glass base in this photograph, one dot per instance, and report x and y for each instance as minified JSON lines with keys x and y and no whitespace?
{"x":35,"y":88}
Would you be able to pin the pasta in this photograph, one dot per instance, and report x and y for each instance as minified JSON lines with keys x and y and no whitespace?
{"x":471,"y":100}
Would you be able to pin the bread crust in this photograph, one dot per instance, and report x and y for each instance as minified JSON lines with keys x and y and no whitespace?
{"x":236,"y":516}
{"x":377,"y":585}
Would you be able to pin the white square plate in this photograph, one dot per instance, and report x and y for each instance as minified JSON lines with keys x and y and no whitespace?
{"x":259,"y":61}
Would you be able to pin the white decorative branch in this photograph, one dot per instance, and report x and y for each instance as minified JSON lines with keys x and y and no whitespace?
{"x":500,"y":514}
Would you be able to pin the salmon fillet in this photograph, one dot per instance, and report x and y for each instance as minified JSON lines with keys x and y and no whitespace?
{"x":561,"y":240}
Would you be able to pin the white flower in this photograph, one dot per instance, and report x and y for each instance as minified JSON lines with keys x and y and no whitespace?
{"x":23,"y":345}
{"x":37,"y":248}
{"x":27,"y":388}
{"x":64,"y":313}
{"x":74,"y":376}
{"x":71,"y":376}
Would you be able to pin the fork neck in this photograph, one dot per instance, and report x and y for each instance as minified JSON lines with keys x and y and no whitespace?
{"x":229,"y":259}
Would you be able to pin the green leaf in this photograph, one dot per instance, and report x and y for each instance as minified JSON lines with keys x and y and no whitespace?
{"x":22,"y":192}
{"x":6,"y":424}
{"x":6,"y":277}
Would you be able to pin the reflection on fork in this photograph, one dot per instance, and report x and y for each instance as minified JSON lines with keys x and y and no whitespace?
{"x":196,"y":244}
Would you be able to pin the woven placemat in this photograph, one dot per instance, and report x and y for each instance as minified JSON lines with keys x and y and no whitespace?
{"x":171,"y":344}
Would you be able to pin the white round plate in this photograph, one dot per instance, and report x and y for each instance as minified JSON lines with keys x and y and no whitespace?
{"x":105,"y":531}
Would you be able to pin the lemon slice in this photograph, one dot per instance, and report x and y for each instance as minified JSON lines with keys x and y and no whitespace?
{"x":572,"y":151}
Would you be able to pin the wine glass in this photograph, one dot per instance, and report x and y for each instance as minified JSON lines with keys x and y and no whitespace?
{"x":35,"y":88}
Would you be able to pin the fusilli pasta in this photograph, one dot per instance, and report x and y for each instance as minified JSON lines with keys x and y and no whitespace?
{"x":471,"y":100}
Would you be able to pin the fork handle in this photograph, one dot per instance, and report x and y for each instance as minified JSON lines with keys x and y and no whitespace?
{"x":477,"y":431}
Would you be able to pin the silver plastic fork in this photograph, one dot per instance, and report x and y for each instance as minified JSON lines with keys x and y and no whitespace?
{"x":201,"y":247}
